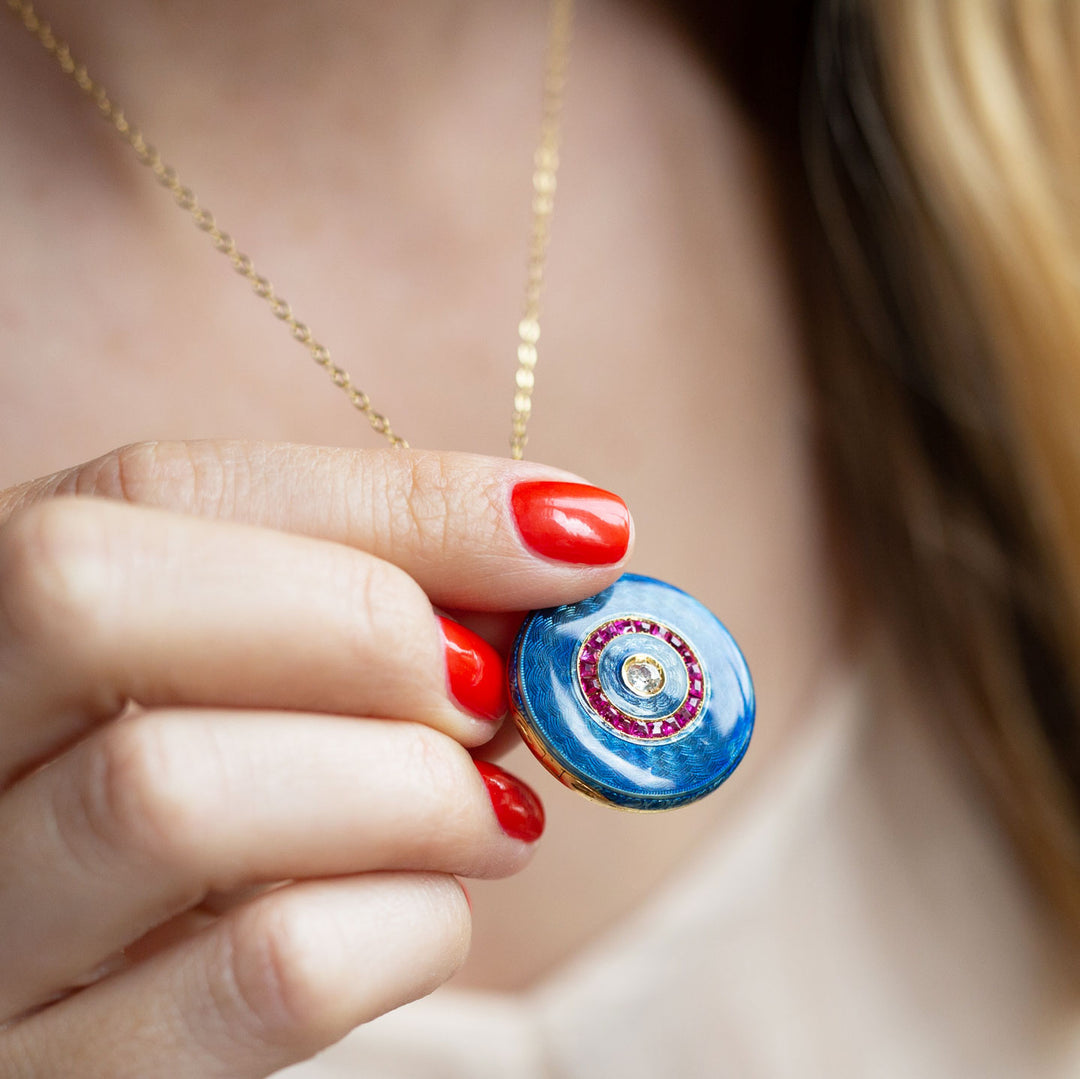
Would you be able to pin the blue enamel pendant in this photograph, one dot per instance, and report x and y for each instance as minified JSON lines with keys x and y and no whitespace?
{"x":637,"y":697}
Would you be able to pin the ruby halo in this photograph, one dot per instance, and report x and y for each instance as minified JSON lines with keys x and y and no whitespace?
{"x":604,"y":706}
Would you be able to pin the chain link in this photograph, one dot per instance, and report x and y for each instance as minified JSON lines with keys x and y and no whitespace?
{"x":545,"y":169}
{"x":545,"y":164}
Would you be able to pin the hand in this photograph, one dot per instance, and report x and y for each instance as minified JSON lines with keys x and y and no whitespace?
{"x":209,"y":866}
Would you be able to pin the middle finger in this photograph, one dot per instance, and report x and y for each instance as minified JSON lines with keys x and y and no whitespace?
{"x":102,"y":602}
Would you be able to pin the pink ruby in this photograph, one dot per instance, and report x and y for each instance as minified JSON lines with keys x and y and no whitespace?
{"x":668,"y":728}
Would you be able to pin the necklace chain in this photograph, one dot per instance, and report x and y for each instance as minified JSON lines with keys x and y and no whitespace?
{"x":545,"y":168}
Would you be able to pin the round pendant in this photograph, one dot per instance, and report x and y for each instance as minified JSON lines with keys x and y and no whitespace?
{"x":637,"y":697}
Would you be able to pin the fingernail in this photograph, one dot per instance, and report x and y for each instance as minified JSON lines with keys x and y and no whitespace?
{"x":474,"y":672}
{"x":572,"y":522}
{"x":521,"y":816}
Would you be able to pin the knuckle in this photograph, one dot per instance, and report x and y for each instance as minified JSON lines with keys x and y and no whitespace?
{"x":410,"y":501}
{"x":447,"y":896}
{"x":56,"y":573}
{"x":386,"y":606}
{"x":198,"y":475}
{"x":275,"y":986}
{"x":439,"y":768}
{"x":134,"y":795}
{"x":437,"y":909}
{"x":122,"y":474}
{"x":294,"y":972}
{"x":429,"y":505}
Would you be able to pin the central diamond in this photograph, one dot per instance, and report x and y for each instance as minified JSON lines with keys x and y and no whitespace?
{"x":643,"y":675}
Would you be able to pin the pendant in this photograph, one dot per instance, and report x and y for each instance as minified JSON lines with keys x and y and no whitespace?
{"x":637,"y":697}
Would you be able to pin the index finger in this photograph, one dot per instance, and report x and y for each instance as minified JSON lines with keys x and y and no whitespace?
{"x":477,"y":533}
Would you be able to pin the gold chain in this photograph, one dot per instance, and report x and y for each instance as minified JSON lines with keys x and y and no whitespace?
{"x":545,"y":168}
{"x":545,"y":164}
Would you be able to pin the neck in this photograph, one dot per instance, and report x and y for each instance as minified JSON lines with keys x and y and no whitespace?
{"x":392,"y":63}
{"x":391,"y":102}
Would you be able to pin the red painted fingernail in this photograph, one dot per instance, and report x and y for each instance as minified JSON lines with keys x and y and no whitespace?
{"x":572,"y":522}
{"x":474,"y":672}
{"x":521,"y":816}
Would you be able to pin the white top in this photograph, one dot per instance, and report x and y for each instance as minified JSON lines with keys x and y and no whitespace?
{"x":863,"y":919}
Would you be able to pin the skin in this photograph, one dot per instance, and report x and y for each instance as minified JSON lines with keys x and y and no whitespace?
{"x":268,"y":604}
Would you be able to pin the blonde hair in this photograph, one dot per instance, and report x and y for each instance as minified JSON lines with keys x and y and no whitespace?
{"x":942,"y":142}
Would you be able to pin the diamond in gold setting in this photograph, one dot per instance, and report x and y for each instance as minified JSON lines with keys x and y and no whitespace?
{"x":642,"y":675}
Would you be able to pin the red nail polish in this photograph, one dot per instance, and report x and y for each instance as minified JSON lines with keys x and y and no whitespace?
{"x":474,"y":672}
{"x":572,"y":522}
{"x":521,"y":816}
